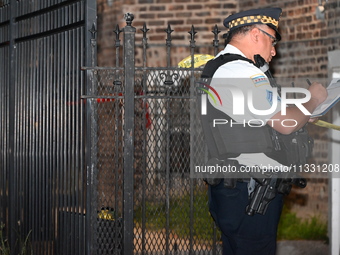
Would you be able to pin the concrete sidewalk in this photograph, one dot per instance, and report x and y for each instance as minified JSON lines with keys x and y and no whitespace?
{"x":302,"y":247}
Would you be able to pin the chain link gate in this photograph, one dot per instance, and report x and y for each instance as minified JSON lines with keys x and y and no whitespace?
{"x":145,"y":137}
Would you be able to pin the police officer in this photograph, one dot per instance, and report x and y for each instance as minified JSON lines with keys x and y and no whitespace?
{"x":253,"y":32}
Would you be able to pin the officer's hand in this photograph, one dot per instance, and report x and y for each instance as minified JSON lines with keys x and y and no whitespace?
{"x":313,"y":120}
{"x":318,"y":92}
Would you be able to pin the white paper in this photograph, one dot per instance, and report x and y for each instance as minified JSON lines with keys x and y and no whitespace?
{"x":333,"y":97}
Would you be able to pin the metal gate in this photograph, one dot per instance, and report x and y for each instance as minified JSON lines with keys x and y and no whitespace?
{"x":42,"y":122}
{"x":96,"y":160}
{"x":145,"y":138}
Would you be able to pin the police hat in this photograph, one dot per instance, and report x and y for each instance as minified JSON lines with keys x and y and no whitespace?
{"x":266,"y":16}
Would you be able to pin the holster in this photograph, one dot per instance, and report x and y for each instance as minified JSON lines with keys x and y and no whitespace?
{"x":229,"y":183}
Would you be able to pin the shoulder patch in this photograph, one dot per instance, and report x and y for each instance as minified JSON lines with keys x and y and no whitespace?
{"x":269,"y":97}
{"x":259,"y":80}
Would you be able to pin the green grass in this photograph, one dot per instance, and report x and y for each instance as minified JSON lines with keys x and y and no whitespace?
{"x":4,"y":246}
{"x":178,"y":217}
{"x":293,"y":228}
{"x":290,"y":227}
{"x":24,"y":244}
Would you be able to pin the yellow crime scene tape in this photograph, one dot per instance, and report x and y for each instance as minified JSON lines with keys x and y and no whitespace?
{"x":199,"y":60}
{"x":325,"y":124}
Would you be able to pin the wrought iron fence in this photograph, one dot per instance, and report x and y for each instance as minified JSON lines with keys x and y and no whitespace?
{"x":145,"y":137}
{"x":42,"y":122}
{"x":96,"y":161}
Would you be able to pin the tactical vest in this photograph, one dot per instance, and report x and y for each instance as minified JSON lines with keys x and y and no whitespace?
{"x":225,"y":141}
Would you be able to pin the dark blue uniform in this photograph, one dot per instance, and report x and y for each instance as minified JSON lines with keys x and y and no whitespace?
{"x":243,"y":234}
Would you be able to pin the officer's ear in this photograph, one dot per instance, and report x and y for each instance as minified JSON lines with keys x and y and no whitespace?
{"x":255,"y":34}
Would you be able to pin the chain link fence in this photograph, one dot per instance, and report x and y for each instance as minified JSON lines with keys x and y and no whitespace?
{"x":169,"y":209}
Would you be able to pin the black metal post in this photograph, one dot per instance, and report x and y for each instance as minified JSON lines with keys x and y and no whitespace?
{"x":129,"y":78}
{"x":144,"y":174}
{"x":91,"y":189}
{"x":216,"y":31}
{"x":12,"y":197}
{"x":216,"y":41}
{"x":192,"y":33}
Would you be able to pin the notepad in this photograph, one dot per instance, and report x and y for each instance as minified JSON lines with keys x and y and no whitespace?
{"x":333,"y":97}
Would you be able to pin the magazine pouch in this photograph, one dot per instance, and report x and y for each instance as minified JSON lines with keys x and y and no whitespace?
{"x":298,"y":147}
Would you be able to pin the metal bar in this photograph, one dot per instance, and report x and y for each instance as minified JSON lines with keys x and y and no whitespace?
{"x":216,"y":31}
{"x":38,"y":98}
{"x":11,"y":143}
{"x":129,"y":78}
{"x":69,"y":142}
{"x":118,"y":135}
{"x":21,"y":133}
{"x":63,"y":132}
{"x":117,"y":83}
{"x":144,"y":174}
{"x":58,"y":125}
{"x":168,"y":81}
{"x":82,"y":142}
{"x":167,"y":176}
{"x":49,"y":146}
{"x":44,"y":145}
{"x":54,"y":135}
{"x":117,"y":31}
{"x":4,"y":113}
{"x":216,"y":41}
{"x":117,"y":184}
{"x":32,"y":108}
{"x":192,"y":111}
{"x":139,"y":68}
{"x":75,"y":131}
{"x":90,"y":59}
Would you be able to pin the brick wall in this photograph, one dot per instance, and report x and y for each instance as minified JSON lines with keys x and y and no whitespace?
{"x":302,"y":53}
{"x":158,"y":14}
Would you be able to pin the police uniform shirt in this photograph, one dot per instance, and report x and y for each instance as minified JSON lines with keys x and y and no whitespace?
{"x":240,"y":80}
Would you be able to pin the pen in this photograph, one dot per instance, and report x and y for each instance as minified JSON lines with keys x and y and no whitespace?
{"x":293,"y":85}
{"x":308,"y":81}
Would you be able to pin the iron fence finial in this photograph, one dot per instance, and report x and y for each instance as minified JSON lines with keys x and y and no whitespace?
{"x":168,"y":35}
{"x":145,"y":39}
{"x":117,"y":31}
{"x":192,"y":33}
{"x":93,"y":31}
{"x":215,"y":32}
{"x":144,"y":30}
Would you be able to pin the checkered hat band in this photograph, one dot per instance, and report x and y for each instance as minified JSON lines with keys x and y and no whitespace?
{"x":253,"y":19}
